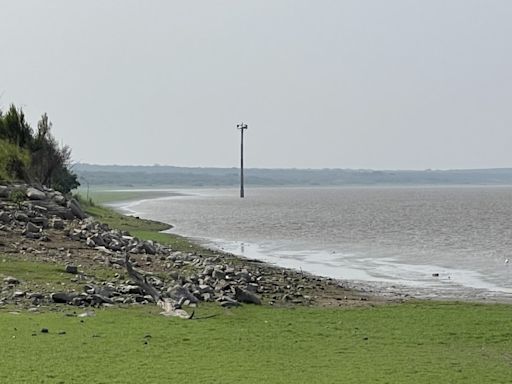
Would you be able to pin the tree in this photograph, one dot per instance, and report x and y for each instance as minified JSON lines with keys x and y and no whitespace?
{"x":15,"y":129}
{"x":51,"y":164}
{"x":34,"y":156}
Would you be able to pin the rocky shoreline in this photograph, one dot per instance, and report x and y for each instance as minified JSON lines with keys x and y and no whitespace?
{"x":41,"y":225}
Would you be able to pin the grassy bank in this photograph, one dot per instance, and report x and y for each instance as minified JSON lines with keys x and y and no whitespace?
{"x":420,"y":343}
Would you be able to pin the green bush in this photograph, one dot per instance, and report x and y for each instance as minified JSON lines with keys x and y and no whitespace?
{"x":14,"y":161}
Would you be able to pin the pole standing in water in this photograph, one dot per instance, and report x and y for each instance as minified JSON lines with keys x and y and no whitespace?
{"x":242,"y":127}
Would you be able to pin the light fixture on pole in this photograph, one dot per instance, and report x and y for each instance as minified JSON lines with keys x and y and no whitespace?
{"x":242,"y":127}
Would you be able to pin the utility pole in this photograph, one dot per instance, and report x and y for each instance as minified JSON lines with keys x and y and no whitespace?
{"x":242,"y":127}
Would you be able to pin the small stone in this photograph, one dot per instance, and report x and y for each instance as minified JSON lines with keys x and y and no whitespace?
{"x":11,"y":280}
{"x":32,"y":228}
{"x":72,"y":269}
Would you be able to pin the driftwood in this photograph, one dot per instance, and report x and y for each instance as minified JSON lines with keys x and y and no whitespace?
{"x":168,"y":306}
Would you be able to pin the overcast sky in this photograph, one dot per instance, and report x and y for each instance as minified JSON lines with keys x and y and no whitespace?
{"x":342,"y":84}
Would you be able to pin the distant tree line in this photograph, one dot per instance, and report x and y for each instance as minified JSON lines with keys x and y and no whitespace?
{"x":33,"y":156}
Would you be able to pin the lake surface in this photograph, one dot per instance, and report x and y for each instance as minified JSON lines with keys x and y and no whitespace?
{"x":389,"y":239}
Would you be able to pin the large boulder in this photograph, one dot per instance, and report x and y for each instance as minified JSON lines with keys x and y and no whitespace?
{"x":35,"y":194}
{"x":76,"y":209}
{"x":245,"y":296}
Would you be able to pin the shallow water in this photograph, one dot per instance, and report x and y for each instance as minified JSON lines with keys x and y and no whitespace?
{"x":395,"y":237}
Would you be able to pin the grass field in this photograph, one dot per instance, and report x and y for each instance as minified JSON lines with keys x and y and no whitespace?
{"x":420,"y":342}
{"x":409,"y":343}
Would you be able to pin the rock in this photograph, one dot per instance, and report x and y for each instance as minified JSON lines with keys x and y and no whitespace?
{"x":98,"y":240}
{"x":218,"y":275}
{"x":90,"y":242}
{"x":177,"y":292}
{"x":208,"y":270}
{"x":100,"y":299}
{"x":11,"y":280}
{"x":130,"y":289}
{"x":18,"y":294}
{"x":59,"y":199}
{"x":5,"y":217}
{"x":57,"y":223}
{"x":33,"y":235}
{"x":72,"y":269}
{"x":35,"y":194}
{"x":76,"y":209}
{"x":62,"y":297}
{"x":87,"y":314}
{"x":203,"y":288}
{"x":149,"y":248}
{"x":20,"y":216}
{"x":4,"y":191}
{"x":228,"y":302}
{"x":32,"y":228}
{"x":245,"y":296}
{"x":39,"y":220}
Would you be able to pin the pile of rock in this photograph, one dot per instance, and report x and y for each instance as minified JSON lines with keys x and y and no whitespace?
{"x":100,"y":236}
{"x":34,"y":210}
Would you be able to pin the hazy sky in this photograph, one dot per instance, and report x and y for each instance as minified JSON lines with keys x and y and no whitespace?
{"x":346,"y":84}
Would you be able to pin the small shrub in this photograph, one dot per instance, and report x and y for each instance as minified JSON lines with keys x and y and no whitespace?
{"x":18,"y":196}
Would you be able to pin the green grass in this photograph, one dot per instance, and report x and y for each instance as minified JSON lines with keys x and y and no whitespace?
{"x":31,"y":271}
{"x":409,"y":343}
{"x":34,"y":274}
{"x":103,"y":196}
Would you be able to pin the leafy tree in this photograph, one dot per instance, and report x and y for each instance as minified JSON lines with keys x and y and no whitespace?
{"x":34,"y":156}
{"x":15,"y":129}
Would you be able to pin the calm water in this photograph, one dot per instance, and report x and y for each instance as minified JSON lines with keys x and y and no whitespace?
{"x":390,"y":238}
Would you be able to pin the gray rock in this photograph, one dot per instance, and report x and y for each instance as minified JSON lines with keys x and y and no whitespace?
{"x":72,"y":269}
{"x":89,"y":242}
{"x":130,"y":289}
{"x":57,"y":223}
{"x":98,"y":240}
{"x":32,"y":228}
{"x":76,"y":209}
{"x":100,"y":299}
{"x":11,"y":280}
{"x":39,"y":220}
{"x":59,"y":199}
{"x":62,"y":297}
{"x":20,"y":216}
{"x":228,"y":302}
{"x":35,"y":194}
{"x":18,"y":294}
{"x":149,"y":248}
{"x":208,"y":270}
{"x":177,"y":292}
{"x":4,"y":191}
{"x":218,"y":275}
{"x":5,"y":217}
{"x":33,"y":235}
{"x":245,"y":296}
{"x":203,"y":288}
